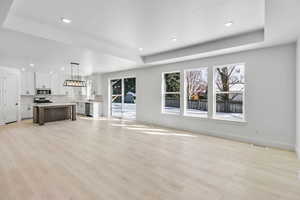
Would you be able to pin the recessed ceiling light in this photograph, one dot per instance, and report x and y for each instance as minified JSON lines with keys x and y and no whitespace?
{"x":228,"y":24}
{"x":62,"y":69}
{"x":141,"y":49}
{"x":174,"y":39}
{"x":23,"y":69}
{"x":31,"y":65}
{"x":51,"y":72}
{"x":65,"y":20}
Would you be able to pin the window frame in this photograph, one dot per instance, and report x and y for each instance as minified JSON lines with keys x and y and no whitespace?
{"x":215,"y":92}
{"x":164,"y":92}
{"x":110,"y":92}
{"x":185,"y":113}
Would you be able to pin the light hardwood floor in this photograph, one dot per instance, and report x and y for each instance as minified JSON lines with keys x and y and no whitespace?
{"x":113,"y":159}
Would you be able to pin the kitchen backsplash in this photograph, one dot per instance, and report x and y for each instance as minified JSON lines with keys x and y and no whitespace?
{"x":98,"y":98}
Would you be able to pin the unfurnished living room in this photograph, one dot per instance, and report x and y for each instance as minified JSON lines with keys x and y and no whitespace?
{"x":149,"y":100}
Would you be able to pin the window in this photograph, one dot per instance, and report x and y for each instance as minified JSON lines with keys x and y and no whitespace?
{"x":229,"y":88}
{"x":171,"y":93}
{"x":196,"y":87}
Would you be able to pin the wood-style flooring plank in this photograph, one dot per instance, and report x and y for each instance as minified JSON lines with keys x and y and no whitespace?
{"x":111,"y":159}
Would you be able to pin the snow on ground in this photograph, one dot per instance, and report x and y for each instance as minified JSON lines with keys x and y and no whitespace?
{"x":128,"y":112}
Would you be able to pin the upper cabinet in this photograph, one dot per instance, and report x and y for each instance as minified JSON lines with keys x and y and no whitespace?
{"x":27,"y":83}
{"x":93,"y":88}
{"x":68,"y":91}
{"x":57,"y":82}
{"x":54,"y":81}
{"x":43,"y":80}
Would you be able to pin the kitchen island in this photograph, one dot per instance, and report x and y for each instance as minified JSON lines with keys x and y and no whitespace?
{"x":49,"y":112}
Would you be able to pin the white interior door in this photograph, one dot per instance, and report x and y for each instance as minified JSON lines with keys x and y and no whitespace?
{"x":11,"y":98}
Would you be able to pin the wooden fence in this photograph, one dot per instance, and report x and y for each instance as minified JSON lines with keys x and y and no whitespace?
{"x":227,"y":107}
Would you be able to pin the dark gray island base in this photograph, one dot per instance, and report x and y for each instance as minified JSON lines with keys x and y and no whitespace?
{"x":51,"y":112}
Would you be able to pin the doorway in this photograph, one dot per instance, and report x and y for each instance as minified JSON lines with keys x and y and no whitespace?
{"x":123,"y":98}
{"x":8,"y":99}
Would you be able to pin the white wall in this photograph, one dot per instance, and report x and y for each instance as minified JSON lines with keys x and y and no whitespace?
{"x":270,"y":97}
{"x":298,"y":100}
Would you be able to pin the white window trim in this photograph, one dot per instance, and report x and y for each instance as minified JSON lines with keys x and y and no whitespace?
{"x":163,"y":93}
{"x":243,"y":120}
{"x":185,"y":94}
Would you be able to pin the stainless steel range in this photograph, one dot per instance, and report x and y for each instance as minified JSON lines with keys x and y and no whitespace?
{"x":42,"y":100}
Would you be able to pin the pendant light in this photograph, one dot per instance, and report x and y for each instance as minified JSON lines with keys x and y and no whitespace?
{"x":75,"y":80}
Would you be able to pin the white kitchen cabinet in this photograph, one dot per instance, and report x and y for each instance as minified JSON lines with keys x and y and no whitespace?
{"x":68,"y":91}
{"x":79,"y":91}
{"x":26,"y":111}
{"x":27,"y":83}
{"x":96,"y":109}
{"x":55,"y":88}
{"x":43,"y":80}
{"x":57,"y":85}
{"x":80,"y":106}
{"x":57,"y":82}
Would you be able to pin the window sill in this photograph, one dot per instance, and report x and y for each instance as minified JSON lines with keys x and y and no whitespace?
{"x":230,"y":121}
{"x":196,"y":116}
{"x":218,"y":120}
{"x":170,"y":113}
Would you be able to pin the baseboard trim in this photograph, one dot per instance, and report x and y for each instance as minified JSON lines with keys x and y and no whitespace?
{"x":279,"y":145}
{"x":298,"y":152}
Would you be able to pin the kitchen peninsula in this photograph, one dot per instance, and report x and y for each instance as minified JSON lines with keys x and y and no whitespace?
{"x":49,"y":112}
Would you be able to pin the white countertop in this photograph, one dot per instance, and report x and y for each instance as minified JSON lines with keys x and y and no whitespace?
{"x":53,"y":104}
{"x":89,"y":101}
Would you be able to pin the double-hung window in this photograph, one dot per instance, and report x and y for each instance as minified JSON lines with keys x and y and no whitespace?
{"x":229,"y":92}
{"x":218,"y":93}
{"x":171,"y":93}
{"x":196,"y":92}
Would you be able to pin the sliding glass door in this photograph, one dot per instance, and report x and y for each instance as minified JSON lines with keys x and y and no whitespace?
{"x":116,"y":98}
{"x":123,"y":98}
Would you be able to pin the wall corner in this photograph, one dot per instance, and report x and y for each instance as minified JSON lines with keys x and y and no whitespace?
{"x":297,"y":148}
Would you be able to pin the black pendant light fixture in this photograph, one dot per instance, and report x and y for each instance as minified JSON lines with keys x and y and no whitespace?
{"x":75,"y":80}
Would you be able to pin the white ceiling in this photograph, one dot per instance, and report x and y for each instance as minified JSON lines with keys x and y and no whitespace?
{"x":20,"y":50}
{"x":106,"y":35}
{"x":144,"y":23}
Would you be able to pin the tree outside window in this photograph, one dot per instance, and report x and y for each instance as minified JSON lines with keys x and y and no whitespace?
{"x":229,"y":92}
{"x":196,"y":92}
{"x":171,"y":93}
